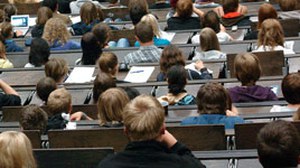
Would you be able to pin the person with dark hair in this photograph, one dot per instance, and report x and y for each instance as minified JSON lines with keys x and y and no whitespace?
{"x":131,"y":92}
{"x":183,"y":19}
{"x":247,"y":70}
{"x":232,"y":16}
{"x":44,"y":87}
{"x":33,"y":117}
{"x":278,"y":145}
{"x":6,"y":36}
{"x":90,"y":49}
{"x":148,"y":52}
{"x":102,"y":82}
{"x":212,"y":20}
{"x":177,"y":79}
{"x":151,"y":145}
{"x":9,"y":9}
{"x":43,"y":15}
{"x":290,"y":87}
{"x":265,"y":11}
{"x":137,"y":9}
{"x":89,"y":18}
{"x":53,"y":5}
{"x":214,"y":107}
{"x":172,"y":55}
{"x":39,"y":53}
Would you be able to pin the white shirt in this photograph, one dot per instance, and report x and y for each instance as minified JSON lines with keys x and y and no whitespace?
{"x":76,"y":5}
{"x":222,"y":37}
{"x":286,"y":51}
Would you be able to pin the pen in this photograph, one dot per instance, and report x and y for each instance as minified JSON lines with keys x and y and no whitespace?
{"x":137,"y":71}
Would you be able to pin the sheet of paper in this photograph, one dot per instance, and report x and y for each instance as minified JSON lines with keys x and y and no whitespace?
{"x":167,"y":35}
{"x":75,"y":19}
{"x":81,"y":75}
{"x":139,"y":74}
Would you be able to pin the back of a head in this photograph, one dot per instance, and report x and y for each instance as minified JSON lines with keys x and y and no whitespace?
{"x":59,"y":101}
{"x":88,"y":12}
{"x":16,"y":150}
{"x":144,"y":32}
{"x":266,"y":11}
{"x":171,"y":55}
{"x":55,"y":30}
{"x":9,"y":9}
{"x":151,"y":20}
{"x":102,"y":82}
{"x":230,"y":6}
{"x":102,"y":33}
{"x":278,"y":145}
{"x":33,"y":117}
{"x":209,"y":40}
{"x":131,"y":92}
{"x":111,"y":104}
{"x":211,"y":19}
{"x":212,"y":99}
{"x":2,"y":15}
{"x":247,"y":68}
{"x":39,"y":52}
{"x":184,"y":8}
{"x":56,"y":68}
{"x":44,"y":87}
{"x":288,"y":5}
{"x":6,"y":31}
{"x":177,"y":79}
{"x":52,"y":4}
{"x":137,"y":9}
{"x":143,"y":118}
{"x":173,"y":3}
{"x":43,"y":15}
{"x":270,"y":34}
{"x":291,"y":88}
{"x":90,"y":49}
{"x":108,"y":63}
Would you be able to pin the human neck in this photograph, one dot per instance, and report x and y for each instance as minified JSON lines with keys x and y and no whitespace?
{"x":147,"y":43}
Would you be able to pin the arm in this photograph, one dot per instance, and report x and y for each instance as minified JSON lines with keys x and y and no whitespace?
{"x":79,"y":116}
{"x":198,"y":12}
{"x":204,"y":72}
{"x":7,"y":89}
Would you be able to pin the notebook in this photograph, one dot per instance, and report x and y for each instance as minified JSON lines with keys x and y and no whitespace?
{"x":21,"y":23}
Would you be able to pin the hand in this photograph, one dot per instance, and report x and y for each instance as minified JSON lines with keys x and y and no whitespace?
{"x":79,"y":116}
{"x":231,"y":113}
{"x":19,"y":33}
{"x":199,"y":65}
{"x":168,"y":139}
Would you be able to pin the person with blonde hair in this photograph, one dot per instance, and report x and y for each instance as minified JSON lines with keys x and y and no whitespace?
{"x":158,"y":33}
{"x":247,"y":70}
{"x":210,"y":46}
{"x":16,"y":150}
{"x":4,"y":62}
{"x":43,"y":15}
{"x":271,"y":37}
{"x":59,"y":106}
{"x":58,"y":36}
{"x":57,"y":68}
{"x":89,"y":18}
{"x":151,"y":145}
{"x":111,"y":105}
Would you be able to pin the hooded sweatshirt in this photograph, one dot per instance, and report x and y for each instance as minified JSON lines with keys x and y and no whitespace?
{"x":251,"y":94}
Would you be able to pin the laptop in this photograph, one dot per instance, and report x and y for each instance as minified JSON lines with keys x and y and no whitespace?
{"x":21,"y":23}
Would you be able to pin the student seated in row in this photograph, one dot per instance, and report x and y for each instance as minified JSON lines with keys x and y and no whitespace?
{"x":102,"y":82}
{"x":44,"y":87}
{"x":278,"y":145}
{"x":172,"y":55}
{"x":10,"y":97}
{"x":6,"y":37}
{"x":39,"y":53}
{"x":43,"y":15}
{"x":58,"y":36}
{"x":33,"y":117}
{"x":53,"y":5}
{"x":177,"y":79}
{"x":147,"y":52}
{"x":110,"y":105}
{"x":247,"y":70}
{"x":57,"y":69}
{"x":60,"y":109}
{"x":76,"y":5}
{"x":108,"y":63}
{"x":214,"y":107}
{"x":151,"y":145}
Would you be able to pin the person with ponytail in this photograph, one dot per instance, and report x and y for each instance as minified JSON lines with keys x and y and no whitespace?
{"x":177,"y":79}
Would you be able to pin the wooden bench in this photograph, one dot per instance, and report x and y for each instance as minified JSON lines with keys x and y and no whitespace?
{"x":71,"y":157}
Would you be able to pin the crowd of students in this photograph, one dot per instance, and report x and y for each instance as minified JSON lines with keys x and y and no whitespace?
{"x":143,"y":116}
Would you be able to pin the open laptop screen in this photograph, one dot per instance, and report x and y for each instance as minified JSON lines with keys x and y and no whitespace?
{"x":20,"y":21}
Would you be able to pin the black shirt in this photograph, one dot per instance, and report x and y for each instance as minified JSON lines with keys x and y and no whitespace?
{"x":176,"y":23}
{"x":9,"y":100}
{"x":149,"y":154}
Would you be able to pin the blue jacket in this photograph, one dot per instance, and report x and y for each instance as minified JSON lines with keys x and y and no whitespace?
{"x":82,"y":28}
{"x":69,"y":45}
{"x":156,"y":41}
{"x":228,"y":121}
{"x":11,"y":46}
